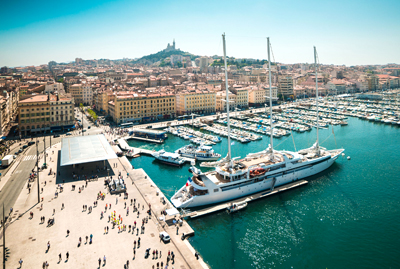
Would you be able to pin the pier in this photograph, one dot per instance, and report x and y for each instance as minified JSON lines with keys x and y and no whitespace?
{"x":247,"y":199}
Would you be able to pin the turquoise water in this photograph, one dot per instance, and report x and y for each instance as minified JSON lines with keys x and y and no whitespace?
{"x":346,"y":217}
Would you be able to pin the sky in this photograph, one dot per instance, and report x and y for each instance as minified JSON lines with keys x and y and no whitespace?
{"x":349,"y":32}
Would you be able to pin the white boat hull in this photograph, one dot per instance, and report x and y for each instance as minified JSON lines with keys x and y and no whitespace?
{"x":222,"y":196}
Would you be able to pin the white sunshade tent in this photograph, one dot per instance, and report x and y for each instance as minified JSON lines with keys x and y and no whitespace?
{"x":172,"y":211}
{"x":85,"y":149}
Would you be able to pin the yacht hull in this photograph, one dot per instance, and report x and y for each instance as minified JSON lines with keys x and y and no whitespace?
{"x":266,"y":184}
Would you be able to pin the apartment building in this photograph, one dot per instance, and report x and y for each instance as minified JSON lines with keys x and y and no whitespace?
{"x":195,"y":101}
{"x":61,"y":112}
{"x":101,"y":100}
{"x":221,"y":101}
{"x":34,"y":114}
{"x":136,"y":107}
{"x":81,"y":93}
{"x":242,"y":96}
{"x":257,"y":95}
{"x":285,"y":85}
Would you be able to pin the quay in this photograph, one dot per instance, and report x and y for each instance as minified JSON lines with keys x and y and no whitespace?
{"x":27,"y":236}
{"x":250,"y":198}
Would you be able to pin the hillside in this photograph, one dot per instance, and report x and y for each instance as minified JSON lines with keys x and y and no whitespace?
{"x":161,"y":56}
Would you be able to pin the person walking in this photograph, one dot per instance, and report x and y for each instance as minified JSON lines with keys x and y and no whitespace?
{"x":67,"y":232}
{"x":48,"y":246}
{"x":20,"y":263}
{"x":104,"y":260}
{"x":99,"y":262}
{"x":67,"y":255}
{"x":59,"y":257}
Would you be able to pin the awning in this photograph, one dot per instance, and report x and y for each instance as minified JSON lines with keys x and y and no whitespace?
{"x":172,"y":211}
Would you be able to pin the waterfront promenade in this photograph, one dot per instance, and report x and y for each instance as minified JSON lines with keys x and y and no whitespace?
{"x":27,"y":237}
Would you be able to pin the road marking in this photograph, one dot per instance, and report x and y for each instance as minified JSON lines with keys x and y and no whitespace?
{"x":16,"y":172}
{"x":29,"y":157}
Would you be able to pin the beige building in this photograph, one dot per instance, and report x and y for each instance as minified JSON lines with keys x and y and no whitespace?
{"x":285,"y":85}
{"x":133,"y":107}
{"x":242,"y":97}
{"x":61,"y":112}
{"x":34,"y":114}
{"x":221,"y":101}
{"x":82,"y":94}
{"x":195,"y":101}
{"x":101,"y":100}
{"x":257,"y":95}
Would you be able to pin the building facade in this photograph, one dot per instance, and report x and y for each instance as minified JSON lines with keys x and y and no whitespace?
{"x":285,"y":85}
{"x":133,"y":107}
{"x":34,"y":114}
{"x":195,"y":101}
{"x":62,"y":116}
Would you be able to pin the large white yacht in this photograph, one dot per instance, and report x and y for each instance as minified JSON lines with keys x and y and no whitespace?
{"x":200,"y":153}
{"x":257,"y":172}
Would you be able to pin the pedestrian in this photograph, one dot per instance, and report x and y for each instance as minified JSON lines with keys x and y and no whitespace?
{"x":134,"y":244}
{"x":134,"y":253}
{"x":20,"y":262}
{"x":104,"y":260}
{"x":99,"y":262}
{"x":86,"y":239}
{"x":62,"y":206}
{"x":138,"y":241}
{"x":59,"y":257}
{"x":80,"y":240}
{"x":116,"y":200}
{"x":48,"y":245}
{"x":67,"y":255}
{"x":47,"y":265}
{"x":54,"y":211}
{"x":127,"y":264}
{"x":107,"y":229}
{"x":67,"y":232}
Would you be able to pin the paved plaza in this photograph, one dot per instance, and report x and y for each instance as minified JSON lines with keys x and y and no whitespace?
{"x":27,"y":237}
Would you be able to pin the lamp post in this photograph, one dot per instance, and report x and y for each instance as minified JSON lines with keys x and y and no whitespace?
{"x":37,"y":168}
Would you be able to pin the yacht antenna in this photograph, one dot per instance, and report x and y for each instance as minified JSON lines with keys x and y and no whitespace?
{"x":270,"y":101}
{"x":316,"y":96}
{"x":229,"y":157}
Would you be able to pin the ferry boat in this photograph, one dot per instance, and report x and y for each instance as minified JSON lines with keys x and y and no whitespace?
{"x":201,"y":153}
{"x":168,"y":157}
{"x":265,"y":170}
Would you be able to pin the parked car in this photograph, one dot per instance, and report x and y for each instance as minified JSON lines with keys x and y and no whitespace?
{"x":149,"y":127}
{"x":31,"y":143}
{"x":20,"y":150}
{"x":84,"y":130}
{"x":68,"y":134}
{"x":56,"y":135}
{"x":165,"y":237}
{"x":24,"y":146}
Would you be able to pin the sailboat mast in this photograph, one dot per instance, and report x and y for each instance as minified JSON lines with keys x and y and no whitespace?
{"x":316,"y":93}
{"x":270,"y":97}
{"x":227,"y":100}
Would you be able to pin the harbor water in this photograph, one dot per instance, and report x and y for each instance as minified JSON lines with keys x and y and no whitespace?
{"x":346,"y":217}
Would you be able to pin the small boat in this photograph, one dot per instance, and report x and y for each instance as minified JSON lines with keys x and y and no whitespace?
{"x":236,"y":207}
{"x":168,"y":158}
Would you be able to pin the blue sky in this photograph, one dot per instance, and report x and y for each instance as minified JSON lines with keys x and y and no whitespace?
{"x":345,"y":32}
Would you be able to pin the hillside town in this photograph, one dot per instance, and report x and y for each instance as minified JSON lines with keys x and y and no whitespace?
{"x":37,"y":99}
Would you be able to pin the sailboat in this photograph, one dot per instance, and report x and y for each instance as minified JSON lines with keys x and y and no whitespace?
{"x":265,"y":170}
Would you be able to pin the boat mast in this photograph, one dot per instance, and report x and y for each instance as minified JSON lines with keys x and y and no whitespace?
{"x":229,"y":157}
{"x":316,"y":96}
{"x":270,"y":98}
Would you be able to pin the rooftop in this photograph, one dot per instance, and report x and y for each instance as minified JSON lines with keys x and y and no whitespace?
{"x":85,"y":149}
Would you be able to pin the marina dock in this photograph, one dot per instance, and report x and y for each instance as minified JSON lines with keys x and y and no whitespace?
{"x":247,"y":199}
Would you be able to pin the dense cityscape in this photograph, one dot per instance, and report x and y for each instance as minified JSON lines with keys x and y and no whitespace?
{"x":141,"y":91}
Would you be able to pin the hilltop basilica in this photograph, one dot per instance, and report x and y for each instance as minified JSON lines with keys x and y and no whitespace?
{"x":171,"y":48}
